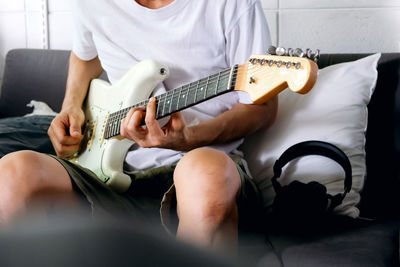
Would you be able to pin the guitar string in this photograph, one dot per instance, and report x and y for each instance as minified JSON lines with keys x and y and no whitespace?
{"x":184,"y":89}
{"x":187,"y":90}
{"x":115,"y":121}
{"x":226,"y":72}
{"x":115,"y":118}
{"x":212,"y":80}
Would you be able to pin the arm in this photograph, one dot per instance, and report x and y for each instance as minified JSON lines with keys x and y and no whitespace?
{"x":65,"y":130}
{"x":238,"y":122}
{"x":80,"y":73}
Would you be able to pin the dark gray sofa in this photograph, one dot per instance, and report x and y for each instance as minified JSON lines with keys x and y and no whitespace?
{"x":336,"y":241}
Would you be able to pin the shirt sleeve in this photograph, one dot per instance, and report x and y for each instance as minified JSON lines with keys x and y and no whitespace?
{"x":83,"y":44}
{"x":248,"y":35}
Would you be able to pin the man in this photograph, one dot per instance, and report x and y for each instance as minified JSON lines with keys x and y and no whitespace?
{"x":195,"y":39}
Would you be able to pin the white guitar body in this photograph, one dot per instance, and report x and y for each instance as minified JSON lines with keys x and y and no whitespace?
{"x":105,"y":157}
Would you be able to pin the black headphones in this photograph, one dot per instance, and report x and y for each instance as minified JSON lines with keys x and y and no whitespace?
{"x":299,"y":200}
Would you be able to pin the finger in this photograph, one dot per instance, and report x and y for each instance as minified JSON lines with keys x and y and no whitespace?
{"x":63,"y":150}
{"x":150,"y":119}
{"x":135,"y":122}
{"x":122,"y":129}
{"x":67,"y":151}
{"x":133,"y":129}
{"x":127,"y":124}
{"x":75,"y":125}
{"x":124,"y":123}
{"x":176,"y":122}
{"x":132,"y":111}
{"x":59,"y":131}
{"x":177,"y":119}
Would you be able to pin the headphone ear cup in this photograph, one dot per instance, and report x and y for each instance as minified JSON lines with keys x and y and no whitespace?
{"x":299,"y":200}
{"x":318,"y":197}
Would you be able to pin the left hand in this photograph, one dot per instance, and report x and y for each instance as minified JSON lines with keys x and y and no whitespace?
{"x":171,"y":136}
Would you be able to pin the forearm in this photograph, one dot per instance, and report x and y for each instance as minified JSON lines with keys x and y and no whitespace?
{"x":231,"y":125}
{"x":80,"y":73}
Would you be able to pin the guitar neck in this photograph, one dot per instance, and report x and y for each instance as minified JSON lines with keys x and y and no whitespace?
{"x":179,"y":98}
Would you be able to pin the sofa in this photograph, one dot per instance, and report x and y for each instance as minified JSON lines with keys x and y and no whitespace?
{"x":370,"y":240}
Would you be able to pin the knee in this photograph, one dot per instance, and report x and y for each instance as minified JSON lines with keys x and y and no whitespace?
{"x":206,"y":163}
{"x":19,"y":170}
{"x":207,"y":184}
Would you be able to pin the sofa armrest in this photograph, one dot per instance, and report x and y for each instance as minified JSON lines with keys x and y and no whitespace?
{"x":33,"y":74}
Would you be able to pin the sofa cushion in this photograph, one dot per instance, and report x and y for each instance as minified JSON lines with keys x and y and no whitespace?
{"x":33,"y":74}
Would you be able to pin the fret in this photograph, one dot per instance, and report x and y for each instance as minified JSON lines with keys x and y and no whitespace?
{"x":231,"y":77}
{"x":125,"y":111}
{"x":112,"y":130}
{"x":205,"y":91}
{"x":185,"y":95}
{"x":118,"y":118}
{"x":160,"y":105}
{"x":210,"y":88}
{"x":189,"y":94}
{"x":201,"y":91}
{"x":179,"y":97}
{"x":170,"y":102}
{"x":113,"y":126}
{"x":164,"y":100}
{"x":174,"y":100}
{"x":116,"y":129}
{"x":224,"y":82}
{"x":216,"y":86}
{"x":107,"y":130}
{"x":110,"y":126}
{"x":157,"y":107}
{"x":195,"y":92}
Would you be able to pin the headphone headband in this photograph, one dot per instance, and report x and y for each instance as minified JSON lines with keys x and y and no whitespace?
{"x":315,"y":148}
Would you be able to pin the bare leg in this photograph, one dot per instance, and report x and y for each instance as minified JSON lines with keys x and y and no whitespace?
{"x":207,"y":184}
{"x":27,"y":176}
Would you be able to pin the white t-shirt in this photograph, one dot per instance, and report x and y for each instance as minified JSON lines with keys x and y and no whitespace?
{"x":194,"y":38}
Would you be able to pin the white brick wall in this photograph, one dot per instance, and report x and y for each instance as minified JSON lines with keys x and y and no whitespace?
{"x":333,"y":26}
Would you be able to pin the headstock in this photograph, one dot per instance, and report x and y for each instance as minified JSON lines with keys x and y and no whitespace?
{"x":264,"y":76}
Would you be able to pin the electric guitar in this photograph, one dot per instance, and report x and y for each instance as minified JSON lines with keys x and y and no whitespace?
{"x":103,"y":149}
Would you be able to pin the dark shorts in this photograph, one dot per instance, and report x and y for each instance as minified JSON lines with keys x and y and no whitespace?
{"x":152,"y":194}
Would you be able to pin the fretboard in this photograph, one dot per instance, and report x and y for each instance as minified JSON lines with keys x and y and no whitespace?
{"x":179,"y":98}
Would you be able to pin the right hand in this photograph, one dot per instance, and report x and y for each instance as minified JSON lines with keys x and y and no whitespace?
{"x":65,"y":132}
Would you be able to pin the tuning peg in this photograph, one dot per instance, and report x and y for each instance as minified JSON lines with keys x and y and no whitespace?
{"x":317,"y":55}
{"x":298,"y":52}
{"x":271,"y":50}
{"x":308,"y":53}
{"x":280,"y":51}
{"x":290,"y":52}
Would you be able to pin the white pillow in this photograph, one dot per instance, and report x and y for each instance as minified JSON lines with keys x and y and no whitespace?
{"x":334,"y":111}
